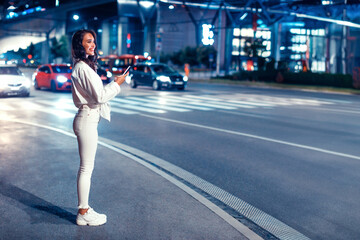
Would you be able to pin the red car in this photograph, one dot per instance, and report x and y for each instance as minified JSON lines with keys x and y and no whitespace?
{"x":56,"y":77}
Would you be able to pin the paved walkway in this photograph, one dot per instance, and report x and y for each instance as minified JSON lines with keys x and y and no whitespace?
{"x":38,"y":168}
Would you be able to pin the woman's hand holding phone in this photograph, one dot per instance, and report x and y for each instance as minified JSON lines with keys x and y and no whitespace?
{"x":120,"y":79}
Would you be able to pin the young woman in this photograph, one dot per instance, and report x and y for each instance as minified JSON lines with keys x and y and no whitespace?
{"x":90,"y":97}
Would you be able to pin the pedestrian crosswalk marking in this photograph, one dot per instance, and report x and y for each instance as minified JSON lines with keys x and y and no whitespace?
{"x":122,"y":111}
{"x":36,"y":107}
{"x":135,"y":107}
{"x":6,"y":108}
{"x":59,"y":105}
{"x":163,"y":103}
{"x":175,"y":102}
{"x":196,"y":102}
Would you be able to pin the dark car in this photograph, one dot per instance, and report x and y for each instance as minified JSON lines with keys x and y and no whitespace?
{"x":104,"y":75}
{"x":13,"y":82}
{"x":156,"y":75}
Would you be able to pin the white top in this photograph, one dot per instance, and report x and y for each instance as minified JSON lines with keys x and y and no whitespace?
{"x":88,"y":90}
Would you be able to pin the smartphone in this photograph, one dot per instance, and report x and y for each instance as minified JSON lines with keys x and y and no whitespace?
{"x":126,"y":70}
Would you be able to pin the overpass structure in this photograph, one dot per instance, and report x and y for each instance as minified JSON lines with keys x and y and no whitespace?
{"x":164,"y":26}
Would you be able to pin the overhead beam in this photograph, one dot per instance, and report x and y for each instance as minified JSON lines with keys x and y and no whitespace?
{"x":269,"y":10}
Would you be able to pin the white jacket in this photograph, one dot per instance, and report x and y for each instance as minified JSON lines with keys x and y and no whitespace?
{"x":89,"y":91}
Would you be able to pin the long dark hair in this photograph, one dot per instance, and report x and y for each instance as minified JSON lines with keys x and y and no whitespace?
{"x":78,"y":51}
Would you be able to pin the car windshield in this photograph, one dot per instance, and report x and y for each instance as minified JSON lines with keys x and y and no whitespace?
{"x":158,"y":69}
{"x":10,"y":71}
{"x":61,"y":69}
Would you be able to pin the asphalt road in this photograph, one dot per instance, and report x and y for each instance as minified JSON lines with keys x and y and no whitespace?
{"x":289,"y":158}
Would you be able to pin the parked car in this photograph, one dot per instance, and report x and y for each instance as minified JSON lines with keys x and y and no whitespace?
{"x":156,"y":75}
{"x":53,"y":76}
{"x":13,"y":81}
{"x":117,"y":64}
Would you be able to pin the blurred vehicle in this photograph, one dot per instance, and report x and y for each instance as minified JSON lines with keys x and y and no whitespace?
{"x":104,"y":75}
{"x":117,"y":64}
{"x":53,"y":76}
{"x":156,"y":75}
{"x":13,"y":82}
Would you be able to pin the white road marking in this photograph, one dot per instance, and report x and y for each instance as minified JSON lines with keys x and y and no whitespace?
{"x":122,"y":111}
{"x":175,"y":102}
{"x":256,"y":137}
{"x":6,"y":108}
{"x":214,"y":105}
{"x":139,"y":108}
{"x":40,"y":108}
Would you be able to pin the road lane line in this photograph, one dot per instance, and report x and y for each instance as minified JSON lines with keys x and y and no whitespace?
{"x":335,"y":110}
{"x":256,"y":137}
{"x":244,"y":230}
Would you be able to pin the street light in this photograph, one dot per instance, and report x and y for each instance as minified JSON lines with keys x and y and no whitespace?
{"x":76,"y":17}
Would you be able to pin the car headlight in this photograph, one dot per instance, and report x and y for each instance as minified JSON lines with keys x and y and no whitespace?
{"x":3,"y":84}
{"x":61,"y":79}
{"x":108,"y":74}
{"x":185,"y":78}
{"x":163,"y":79}
{"x":27,"y":83}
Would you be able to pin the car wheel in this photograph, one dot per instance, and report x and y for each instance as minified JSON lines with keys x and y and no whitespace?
{"x":181,"y":88}
{"x":53,"y":86}
{"x":36,"y":85}
{"x":156,"y":85}
{"x":133,"y":83}
{"x":27,"y":94}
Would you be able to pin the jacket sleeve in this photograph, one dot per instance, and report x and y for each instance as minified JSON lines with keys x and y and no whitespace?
{"x":93,"y":86}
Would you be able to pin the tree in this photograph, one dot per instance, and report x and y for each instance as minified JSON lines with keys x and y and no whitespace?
{"x":60,"y":49}
{"x":194,"y":56}
{"x":206,"y":55}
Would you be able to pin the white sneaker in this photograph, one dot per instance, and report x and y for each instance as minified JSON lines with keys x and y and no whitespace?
{"x":90,"y":218}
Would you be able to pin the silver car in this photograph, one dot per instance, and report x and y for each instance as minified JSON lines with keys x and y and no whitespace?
{"x":13,"y":82}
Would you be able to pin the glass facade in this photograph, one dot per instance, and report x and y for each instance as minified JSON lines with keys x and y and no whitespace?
{"x":247,"y":45}
{"x":303,"y":49}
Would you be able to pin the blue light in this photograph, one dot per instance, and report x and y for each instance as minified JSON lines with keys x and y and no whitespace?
{"x":76,"y":17}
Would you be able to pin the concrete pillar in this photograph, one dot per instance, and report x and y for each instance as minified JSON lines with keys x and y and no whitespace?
{"x":228,"y":49}
{"x":219,"y":48}
{"x":122,"y":33}
{"x":105,"y":36}
{"x":276,"y":42}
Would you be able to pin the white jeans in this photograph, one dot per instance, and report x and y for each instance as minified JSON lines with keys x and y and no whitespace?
{"x":85,"y":128}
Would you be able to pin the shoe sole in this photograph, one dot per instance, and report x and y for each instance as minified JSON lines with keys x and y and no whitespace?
{"x":84,"y":223}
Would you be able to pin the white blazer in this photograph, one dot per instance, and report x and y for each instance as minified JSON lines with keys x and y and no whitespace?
{"x":89,"y":91}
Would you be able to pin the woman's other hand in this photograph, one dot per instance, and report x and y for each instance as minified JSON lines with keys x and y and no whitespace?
{"x":120,"y":79}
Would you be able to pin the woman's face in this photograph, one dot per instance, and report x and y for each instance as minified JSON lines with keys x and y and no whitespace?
{"x":88,"y":43}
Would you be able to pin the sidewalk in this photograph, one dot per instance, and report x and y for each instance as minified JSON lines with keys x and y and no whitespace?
{"x":206,"y":77}
{"x":38,"y":198}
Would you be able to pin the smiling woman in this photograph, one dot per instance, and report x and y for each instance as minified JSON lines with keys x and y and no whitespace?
{"x":91,"y":98}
